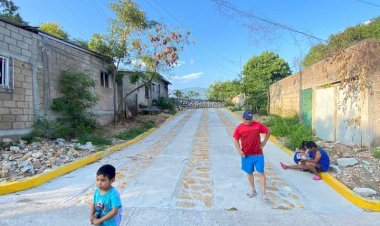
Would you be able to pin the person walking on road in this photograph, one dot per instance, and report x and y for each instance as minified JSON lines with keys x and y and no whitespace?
{"x":320,"y":161}
{"x":250,"y":148}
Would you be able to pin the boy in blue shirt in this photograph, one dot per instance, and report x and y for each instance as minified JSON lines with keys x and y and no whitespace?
{"x":106,"y":208}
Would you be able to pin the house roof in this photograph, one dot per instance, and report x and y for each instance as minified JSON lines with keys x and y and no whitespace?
{"x":42,"y":33}
{"x":161,"y":77}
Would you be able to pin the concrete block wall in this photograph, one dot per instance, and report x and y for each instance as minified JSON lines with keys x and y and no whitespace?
{"x":284,"y":94}
{"x":16,"y":104}
{"x":61,"y":57}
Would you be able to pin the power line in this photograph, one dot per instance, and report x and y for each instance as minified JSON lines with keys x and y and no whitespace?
{"x":216,"y":52}
{"x":48,"y":4}
{"x":98,"y":8}
{"x":368,"y":3}
{"x":205,"y":54}
{"x":267,"y":21}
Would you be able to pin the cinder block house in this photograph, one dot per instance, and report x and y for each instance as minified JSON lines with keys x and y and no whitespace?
{"x":145,"y":96}
{"x":338,"y":97}
{"x":31,"y":62}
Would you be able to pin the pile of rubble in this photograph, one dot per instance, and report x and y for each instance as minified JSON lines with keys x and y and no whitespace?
{"x":19,"y":160}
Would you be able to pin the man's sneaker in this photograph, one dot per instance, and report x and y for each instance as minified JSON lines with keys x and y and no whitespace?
{"x":265,"y":198}
{"x":251,"y":194}
{"x":317,"y":177}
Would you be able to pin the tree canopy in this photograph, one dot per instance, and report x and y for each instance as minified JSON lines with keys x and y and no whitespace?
{"x":9,"y":10}
{"x":54,"y":29}
{"x":343,"y":40}
{"x":224,"y":91}
{"x":258,"y":74}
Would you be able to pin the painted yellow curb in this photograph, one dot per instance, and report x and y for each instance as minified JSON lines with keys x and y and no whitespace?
{"x":367,"y":204}
{"x":39,"y":179}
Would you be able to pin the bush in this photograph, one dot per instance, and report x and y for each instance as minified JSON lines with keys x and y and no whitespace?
{"x":94,"y":139}
{"x":45,"y":128}
{"x":167,"y":103}
{"x":376,"y":153}
{"x":291,"y":129}
{"x":73,"y":106}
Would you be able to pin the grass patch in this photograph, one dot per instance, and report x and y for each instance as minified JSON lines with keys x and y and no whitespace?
{"x":290,"y":129}
{"x":134,"y":132}
{"x":94,"y":139}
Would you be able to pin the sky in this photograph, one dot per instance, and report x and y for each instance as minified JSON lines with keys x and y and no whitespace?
{"x":225,"y":33}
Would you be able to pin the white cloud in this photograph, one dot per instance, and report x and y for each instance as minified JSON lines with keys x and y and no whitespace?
{"x":187,"y":78}
{"x":180,"y":63}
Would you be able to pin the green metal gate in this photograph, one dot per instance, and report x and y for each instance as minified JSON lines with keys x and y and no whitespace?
{"x":307,"y":100}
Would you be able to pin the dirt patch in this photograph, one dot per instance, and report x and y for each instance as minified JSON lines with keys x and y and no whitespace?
{"x":111,"y":130}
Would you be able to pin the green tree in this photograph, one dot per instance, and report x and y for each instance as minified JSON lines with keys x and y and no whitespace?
{"x":9,"y":10}
{"x":73,"y":105}
{"x":54,"y":29}
{"x":125,"y":43}
{"x":178,"y":93}
{"x":192,"y":94}
{"x":258,"y":74}
{"x":224,"y":91}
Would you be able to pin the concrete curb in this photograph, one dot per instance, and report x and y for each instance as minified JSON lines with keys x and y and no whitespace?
{"x":39,"y":179}
{"x":364,"y":203}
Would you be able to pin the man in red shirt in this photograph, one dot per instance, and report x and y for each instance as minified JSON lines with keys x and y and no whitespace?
{"x":249,"y":146}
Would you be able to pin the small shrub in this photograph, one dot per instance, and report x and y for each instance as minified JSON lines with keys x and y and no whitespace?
{"x":167,"y":103}
{"x":376,"y":153}
{"x":46,"y":128}
{"x":291,"y":129}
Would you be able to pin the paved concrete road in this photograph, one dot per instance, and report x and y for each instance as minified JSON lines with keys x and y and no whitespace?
{"x":187,"y":173}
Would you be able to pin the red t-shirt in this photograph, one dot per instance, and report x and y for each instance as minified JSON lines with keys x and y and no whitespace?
{"x":250,"y":137}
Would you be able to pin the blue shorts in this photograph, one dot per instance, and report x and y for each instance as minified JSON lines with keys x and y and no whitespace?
{"x":250,"y":162}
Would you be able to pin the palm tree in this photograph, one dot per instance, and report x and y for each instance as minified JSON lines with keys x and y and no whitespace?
{"x":178,"y":93}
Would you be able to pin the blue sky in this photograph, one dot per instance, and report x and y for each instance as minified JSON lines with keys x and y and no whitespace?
{"x":224,"y":41}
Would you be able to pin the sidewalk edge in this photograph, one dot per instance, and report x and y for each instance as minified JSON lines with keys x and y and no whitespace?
{"x":40,"y":179}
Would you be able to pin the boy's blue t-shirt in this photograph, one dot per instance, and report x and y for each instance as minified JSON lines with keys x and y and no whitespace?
{"x":324,"y":161}
{"x":106,"y":203}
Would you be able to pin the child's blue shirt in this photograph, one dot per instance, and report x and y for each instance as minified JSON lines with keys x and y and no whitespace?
{"x":105,"y":203}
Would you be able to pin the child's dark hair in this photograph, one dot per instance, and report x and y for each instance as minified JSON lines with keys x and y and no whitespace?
{"x":107,"y":170}
{"x":302,"y":148}
{"x":303,"y":144}
{"x":311,"y":144}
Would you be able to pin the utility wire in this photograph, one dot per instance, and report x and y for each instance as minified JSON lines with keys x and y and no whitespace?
{"x":98,"y":8}
{"x":48,"y":4}
{"x":204,"y":53}
{"x":179,"y":22}
{"x":266,"y":21}
{"x":369,"y":3}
